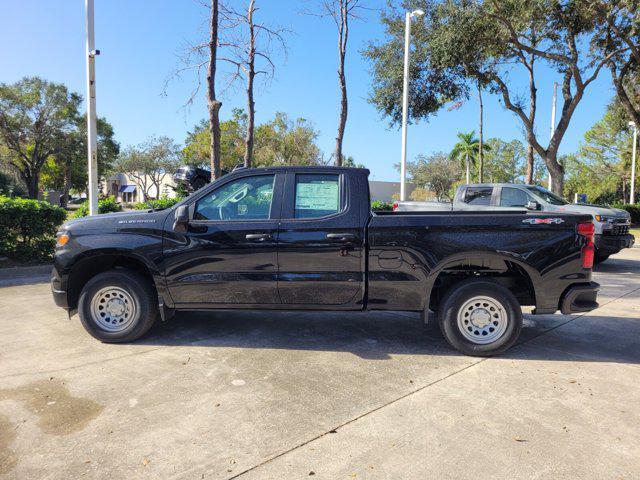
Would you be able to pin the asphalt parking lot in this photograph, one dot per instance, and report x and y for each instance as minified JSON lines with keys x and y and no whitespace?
{"x":261,"y":395}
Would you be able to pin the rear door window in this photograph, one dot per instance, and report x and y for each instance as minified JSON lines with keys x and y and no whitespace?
{"x":317,"y":195}
{"x":513,"y":197}
{"x":478,"y":196}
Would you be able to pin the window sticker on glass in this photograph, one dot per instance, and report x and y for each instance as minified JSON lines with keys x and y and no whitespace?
{"x":316,"y":195}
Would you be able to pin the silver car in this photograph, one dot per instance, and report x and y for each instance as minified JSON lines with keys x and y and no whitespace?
{"x":611,"y":224}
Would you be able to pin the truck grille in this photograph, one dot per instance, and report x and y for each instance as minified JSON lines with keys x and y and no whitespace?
{"x":618,"y":230}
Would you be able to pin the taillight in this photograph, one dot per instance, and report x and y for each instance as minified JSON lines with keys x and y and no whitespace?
{"x":395,"y":206}
{"x":587,"y":230}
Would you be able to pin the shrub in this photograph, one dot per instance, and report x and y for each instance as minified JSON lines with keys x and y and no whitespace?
{"x":106,"y":205}
{"x":158,"y":204}
{"x":633,"y":209}
{"x":381,"y":206}
{"x":28,"y":228}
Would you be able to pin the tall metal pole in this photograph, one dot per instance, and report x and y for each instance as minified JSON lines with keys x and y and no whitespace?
{"x":632,"y":197}
{"x":405,"y":107}
{"x":405,"y":102}
{"x":92,"y":144}
{"x":553,"y":121}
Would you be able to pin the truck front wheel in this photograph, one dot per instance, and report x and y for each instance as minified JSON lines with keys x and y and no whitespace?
{"x":480,"y":317}
{"x":118,"y":306}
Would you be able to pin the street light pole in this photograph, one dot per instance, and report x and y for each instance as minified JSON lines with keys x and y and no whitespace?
{"x":632,"y":197}
{"x":92,"y":143}
{"x":405,"y":101}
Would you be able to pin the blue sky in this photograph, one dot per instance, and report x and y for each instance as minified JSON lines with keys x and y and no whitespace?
{"x":140,"y":42}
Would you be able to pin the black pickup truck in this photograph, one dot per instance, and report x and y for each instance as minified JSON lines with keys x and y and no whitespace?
{"x":305,"y":238}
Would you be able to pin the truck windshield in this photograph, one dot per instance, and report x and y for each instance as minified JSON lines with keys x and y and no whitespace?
{"x":547,"y":196}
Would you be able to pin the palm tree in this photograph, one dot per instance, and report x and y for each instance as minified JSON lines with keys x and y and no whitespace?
{"x":466,"y":151}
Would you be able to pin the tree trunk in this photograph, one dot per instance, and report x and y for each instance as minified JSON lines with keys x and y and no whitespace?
{"x":533,"y":93}
{"x":66,"y":186}
{"x":530,"y":165}
{"x":468,"y":170}
{"x":248,"y":152}
{"x":31,"y":182}
{"x":212,"y":103}
{"x":480,"y":139}
{"x":556,"y":172}
{"x":343,"y":36}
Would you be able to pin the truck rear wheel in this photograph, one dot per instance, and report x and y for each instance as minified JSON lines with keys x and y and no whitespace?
{"x":118,"y":306}
{"x":480,"y":317}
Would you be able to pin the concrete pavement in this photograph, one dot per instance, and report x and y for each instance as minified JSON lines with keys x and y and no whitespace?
{"x":290,"y":395}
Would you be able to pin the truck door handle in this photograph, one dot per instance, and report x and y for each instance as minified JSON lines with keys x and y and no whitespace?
{"x":341,"y":236}
{"x":259,"y":237}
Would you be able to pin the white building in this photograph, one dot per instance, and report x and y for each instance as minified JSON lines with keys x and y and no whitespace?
{"x":130,"y":190}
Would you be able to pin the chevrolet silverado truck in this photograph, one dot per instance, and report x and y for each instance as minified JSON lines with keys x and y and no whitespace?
{"x":611,"y":224}
{"x":305,"y":238}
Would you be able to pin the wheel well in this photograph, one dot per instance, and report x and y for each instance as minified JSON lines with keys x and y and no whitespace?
{"x":86,"y":269}
{"x":513,"y":277}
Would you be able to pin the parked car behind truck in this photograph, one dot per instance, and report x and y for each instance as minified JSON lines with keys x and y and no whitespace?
{"x":611,"y":224}
{"x":304,"y":238}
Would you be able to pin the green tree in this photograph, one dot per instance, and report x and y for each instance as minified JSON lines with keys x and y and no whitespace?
{"x":37,"y":119}
{"x":462,"y":42}
{"x":68,"y":170}
{"x":466,"y":151}
{"x":280,"y":141}
{"x":505,"y":163}
{"x":437,"y":173}
{"x":349,"y":161}
{"x":602,"y":166}
{"x":232,"y":137}
{"x":149,"y":163}
{"x":287,"y":142}
{"x":618,"y":38}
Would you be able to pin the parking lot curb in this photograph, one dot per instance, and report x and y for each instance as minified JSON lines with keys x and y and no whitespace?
{"x":24,"y":275}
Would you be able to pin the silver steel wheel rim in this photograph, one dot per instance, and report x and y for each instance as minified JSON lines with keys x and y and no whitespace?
{"x":482,"y":320}
{"x":113,"y":309}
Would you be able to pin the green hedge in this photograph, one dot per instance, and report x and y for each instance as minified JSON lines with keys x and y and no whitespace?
{"x":107,"y":205}
{"x":384,"y":206}
{"x":158,"y":204}
{"x":633,"y":209}
{"x":28,"y":228}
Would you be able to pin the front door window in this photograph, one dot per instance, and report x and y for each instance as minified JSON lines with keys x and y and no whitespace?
{"x":247,"y":198}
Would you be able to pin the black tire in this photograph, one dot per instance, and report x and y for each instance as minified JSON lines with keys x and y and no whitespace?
{"x":599,"y":258}
{"x":458,"y":297}
{"x":141,"y":292}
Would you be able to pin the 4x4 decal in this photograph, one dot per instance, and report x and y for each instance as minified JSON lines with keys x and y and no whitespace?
{"x":536,"y":221}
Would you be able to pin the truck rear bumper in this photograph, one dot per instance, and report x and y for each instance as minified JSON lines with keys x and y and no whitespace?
{"x":611,"y":244}
{"x":580,"y":298}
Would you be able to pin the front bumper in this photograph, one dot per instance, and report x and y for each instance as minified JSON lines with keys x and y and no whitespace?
{"x":580,"y":298}
{"x":58,"y":289}
{"x":611,"y":244}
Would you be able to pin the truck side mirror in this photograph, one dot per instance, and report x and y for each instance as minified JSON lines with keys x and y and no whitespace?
{"x":181,"y":223}
{"x":532,"y":205}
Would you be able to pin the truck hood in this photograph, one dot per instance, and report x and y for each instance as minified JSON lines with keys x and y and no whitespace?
{"x":119,"y":220}
{"x":594,"y":210}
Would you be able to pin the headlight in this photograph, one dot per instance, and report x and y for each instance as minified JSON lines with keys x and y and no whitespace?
{"x":604,"y":219}
{"x":62,"y":238}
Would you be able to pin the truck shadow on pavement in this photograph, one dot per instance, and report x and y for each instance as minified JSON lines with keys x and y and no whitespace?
{"x":618,"y":265}
{"x":380,"y":335}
